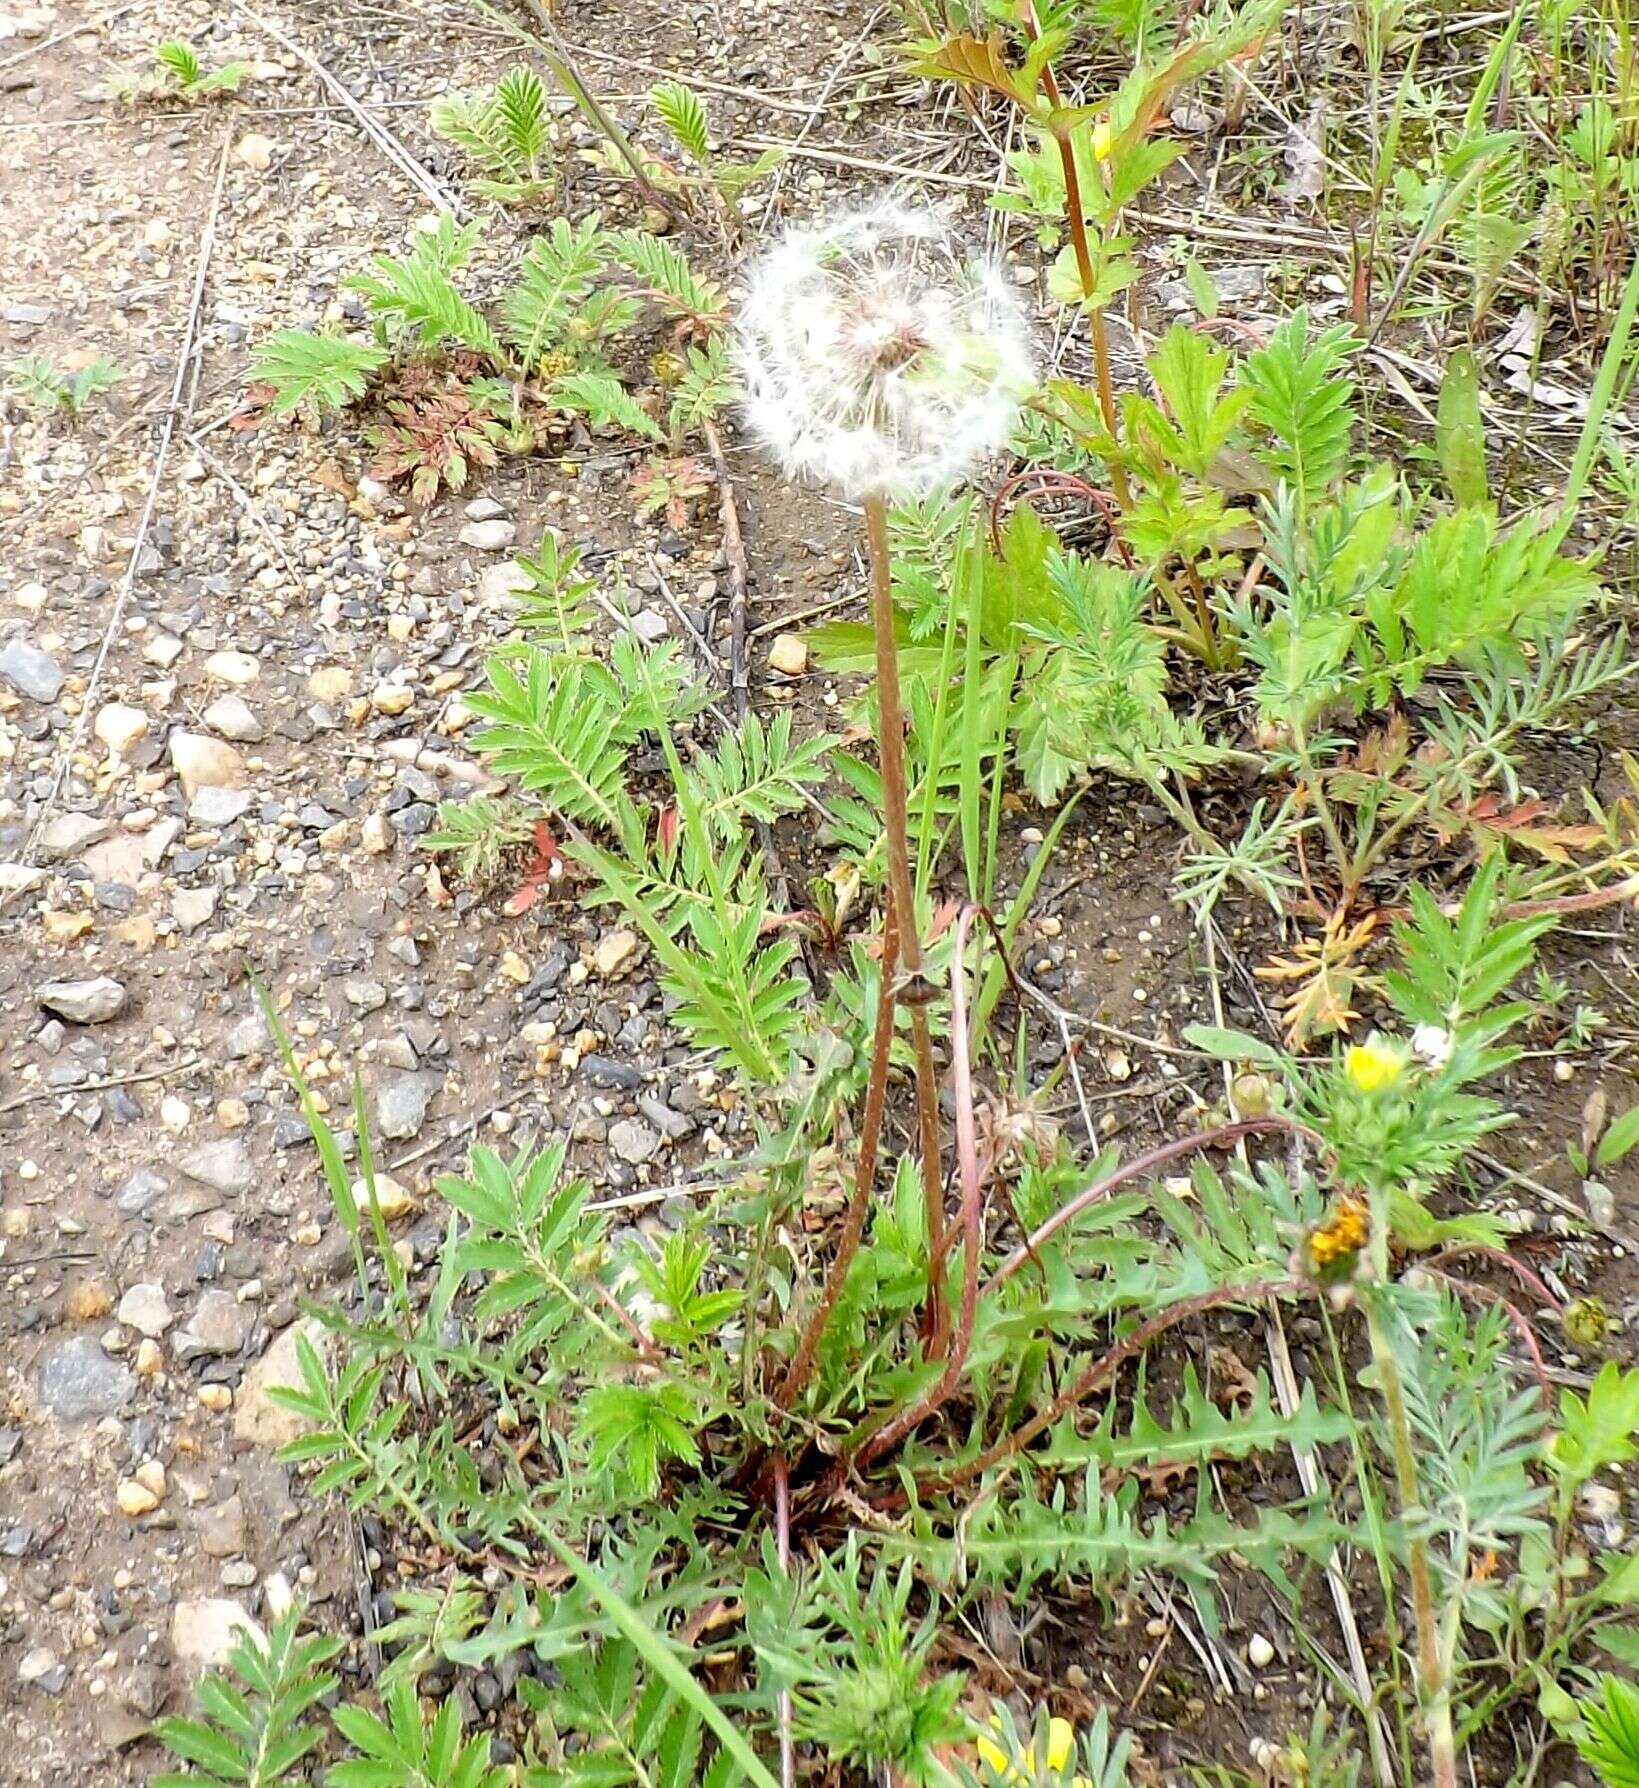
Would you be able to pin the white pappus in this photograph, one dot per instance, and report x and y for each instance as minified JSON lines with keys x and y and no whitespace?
{"x":879,"y":354}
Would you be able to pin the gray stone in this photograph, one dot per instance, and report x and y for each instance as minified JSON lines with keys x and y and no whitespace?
{"x":39,"y":1668}
{"x":139,"y":1191}
{"x":489,"y":536}
{"x":145,"y":1309}
{"x":205,"y":1629}
{"x":673,"y":1124}
{"x":69,"y":834}
{"x":202,"y":762}
{"x":83,"y":1002}
{"x":31,"y":672}
{"x":221,"y":1164}
{"x":364,"y":996}
{"x":222,"y":1528}
{"x":217,"y":1327}
{"x":219,"y":806}
{"x":78,"y":1381}
{"x":233,"y":717}
{"x":401,"y":1105}
{"x":193,"y":907}
{"x":257,"y":1419}
{"x":634,"y":1142}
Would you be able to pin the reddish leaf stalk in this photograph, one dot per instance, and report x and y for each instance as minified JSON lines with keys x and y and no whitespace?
{"x":967,"y":1157}
{"x":1104,"y":1367}
{"x":1048,"y":478}
{"x":1076,"y":213}
{"x":1140,"y":1167}
{"x":870,"y":1136}
{"x":782,"y":1546}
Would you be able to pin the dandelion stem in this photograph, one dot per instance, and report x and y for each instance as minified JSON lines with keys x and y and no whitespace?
{"x":891,"y":747}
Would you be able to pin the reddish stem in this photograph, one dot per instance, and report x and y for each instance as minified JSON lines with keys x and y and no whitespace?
{"x":1501,"y":1257}
{"x":1225,"y":1136}
{"x":870,"y":1135}
{"x":1049,"y":478}
{"x":1102,"y":1368}
{"x":967,"y":1157}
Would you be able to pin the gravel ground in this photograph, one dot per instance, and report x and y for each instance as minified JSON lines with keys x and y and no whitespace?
{"x":224,"y":725}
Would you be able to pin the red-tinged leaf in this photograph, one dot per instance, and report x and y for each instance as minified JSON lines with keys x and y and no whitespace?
{"x":943,"y":919}
{"x":520,"y":903}
{"x":669,"y":828}
{"x":546,"y":848}
{"x":802,"y":921}
{"x":975,"y":62}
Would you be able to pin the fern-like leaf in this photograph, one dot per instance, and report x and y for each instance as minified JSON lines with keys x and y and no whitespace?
{"x":402,"y":1752}
{"x":416,"y":291}
{"x":520,"y":99}
{"x":251,"y":1732}
{"x":325,"y":372}
{"x":553,"y":729}
{"x":604,"y":402}
{"x":554,"y":281}
{"x":1611,"y":1744}
{"x":667,"y":277}
{"x":1302,"y":396}
{"x":181,"y":61}
{"x":706,"y":388}
{"x":684,"y":114}
{"x":757,"y":774}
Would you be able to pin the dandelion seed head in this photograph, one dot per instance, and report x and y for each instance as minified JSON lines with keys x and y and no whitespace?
{"x":879,"y":354}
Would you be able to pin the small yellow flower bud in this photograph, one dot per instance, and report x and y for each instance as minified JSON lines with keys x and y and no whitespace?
{"x":1103,"y":140}
{"x":1373,"y":1066}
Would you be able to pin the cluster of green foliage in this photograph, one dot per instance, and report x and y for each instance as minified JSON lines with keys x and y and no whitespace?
{"x":1389,"y":643}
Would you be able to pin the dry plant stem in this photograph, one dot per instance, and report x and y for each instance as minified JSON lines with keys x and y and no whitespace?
{"x":734,"y":556}
{"x":1140,"y":1167}
{"x":870,"y":1136}
{"x":1103,"y":1368}
{"x":1436,"y":1695}
{"x":967,"y":1157}
{"x":782,"y":1544}
{"x":891,"y":746}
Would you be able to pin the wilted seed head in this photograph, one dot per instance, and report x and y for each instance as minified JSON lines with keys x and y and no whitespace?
{"x":879,"y":354}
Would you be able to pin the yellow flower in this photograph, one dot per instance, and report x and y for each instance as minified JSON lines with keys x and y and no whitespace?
{"x":1103,"y":140}
{"x":1335,"y":1242}
{"x":1373,"y":1066}
{"x":1061,"y":1747}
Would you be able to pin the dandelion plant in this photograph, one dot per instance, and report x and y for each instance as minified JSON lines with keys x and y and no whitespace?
{"x":880,"y":357}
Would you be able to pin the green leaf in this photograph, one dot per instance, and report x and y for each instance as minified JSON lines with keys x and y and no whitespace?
{"x":180,"y":60}
{"x":1619,"y":1140}
{"x":1302,"y":396}
{"x":1612,"y":1741}
{"x":1459,"y":433}
{"x":662,"y":1659}
{"x":604,"y":402}
{"x":325,"y":372}
{"x":683,"y":114}
{"x":1600,"y":1431}
{"x":1202,"y":292}
{"x":555,"y":279}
